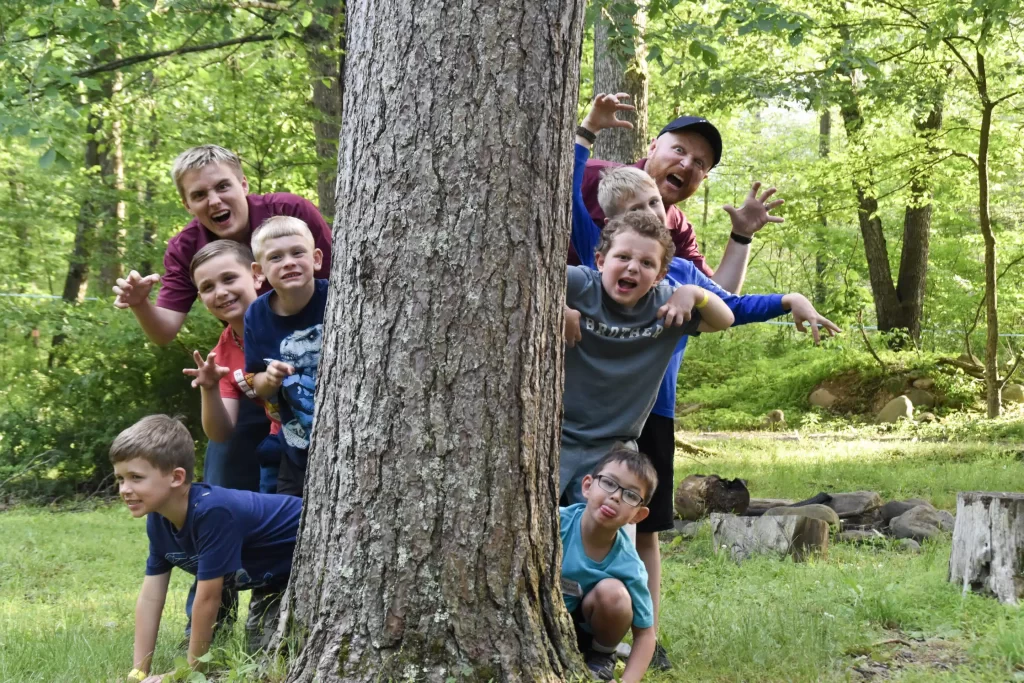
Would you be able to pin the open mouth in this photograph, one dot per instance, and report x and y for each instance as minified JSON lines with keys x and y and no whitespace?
{"x":626,"y":283}
{"x":291,"y":276}
{"x":674,"y":180}
{"x":228,"y":304}
{"x":133,"y":504}
{"x":222,"y":217}
{"x":608,"y":511}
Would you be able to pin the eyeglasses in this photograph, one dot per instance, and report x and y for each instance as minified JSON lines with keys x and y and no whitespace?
{"x":629,"y":496}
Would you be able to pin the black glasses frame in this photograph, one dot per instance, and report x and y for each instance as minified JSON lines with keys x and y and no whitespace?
{"x":627,"y":494}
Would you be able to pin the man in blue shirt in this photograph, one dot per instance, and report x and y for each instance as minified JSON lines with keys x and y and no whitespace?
{"x":221,"y":536}
{"x":624,"y":189}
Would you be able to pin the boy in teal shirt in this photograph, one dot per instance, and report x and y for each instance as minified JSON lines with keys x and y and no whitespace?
{"x":604,"y":582}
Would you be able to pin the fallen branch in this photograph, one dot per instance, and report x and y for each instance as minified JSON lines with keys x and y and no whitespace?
{"x":864,"y":336}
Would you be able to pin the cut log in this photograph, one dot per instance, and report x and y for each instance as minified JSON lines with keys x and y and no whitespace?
{"x":988,"y":544}
{"x":746,"y":536}
{"x":697,"y":495}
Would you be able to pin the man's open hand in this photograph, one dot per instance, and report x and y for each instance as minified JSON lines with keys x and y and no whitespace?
{"x":207,"y":373}
{"x":134,"y":289}
{"x":753,"y":214}
{"x":603,"y":114}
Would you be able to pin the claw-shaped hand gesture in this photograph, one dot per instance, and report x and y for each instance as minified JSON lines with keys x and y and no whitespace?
{"x":753,"y":214}
{"x":207,"y":373}
{"x":603,"y":114}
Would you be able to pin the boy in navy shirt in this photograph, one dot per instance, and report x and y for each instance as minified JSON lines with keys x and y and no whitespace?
{"x":283,"y":330}
{"x":221,"y":536}
{"x":604,"y":583}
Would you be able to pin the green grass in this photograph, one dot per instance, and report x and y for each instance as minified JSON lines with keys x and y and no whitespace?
{"x":68,"y":583}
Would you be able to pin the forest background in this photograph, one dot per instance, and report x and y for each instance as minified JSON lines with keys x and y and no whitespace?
{"x":892,"y":130}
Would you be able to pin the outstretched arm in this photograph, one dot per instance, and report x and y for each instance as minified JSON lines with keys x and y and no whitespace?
{"x":219,"y":413}
{"x":148,"y":609}
{"x":644,"y":641}
{"x":161,"y":325}
{"x":715,"y":315}
{"x":750,"y":217}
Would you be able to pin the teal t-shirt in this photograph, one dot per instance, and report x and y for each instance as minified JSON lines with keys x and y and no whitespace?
{"x":580,"y":573}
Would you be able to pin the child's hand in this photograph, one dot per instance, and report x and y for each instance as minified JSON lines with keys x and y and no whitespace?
{"x":134,"y":290}
{"x":803,"y":312}
{"x":277,"y":371}
{"x":206,"y":373}
{"x":602,"y":114}
{"x":676,"y":310}
{"x":573,"y":334}
{"x":156,"y":678}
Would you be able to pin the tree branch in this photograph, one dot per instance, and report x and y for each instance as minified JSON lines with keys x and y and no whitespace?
{"x":150,"y":56}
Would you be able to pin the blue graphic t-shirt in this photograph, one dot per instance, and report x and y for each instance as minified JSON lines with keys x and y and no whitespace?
{"x":250,"y":536}
{"x":293,"y":339}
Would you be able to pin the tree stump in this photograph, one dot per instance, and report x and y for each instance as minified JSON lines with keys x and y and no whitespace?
{"x":988,"y":544}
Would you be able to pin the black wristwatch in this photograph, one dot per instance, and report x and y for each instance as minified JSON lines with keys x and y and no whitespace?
{"x":740,"y":239}
{"x":587,"y":134}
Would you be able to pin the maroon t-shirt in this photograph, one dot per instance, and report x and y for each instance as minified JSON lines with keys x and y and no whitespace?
{"x":178,"y":293}
{"x":680,"y":228}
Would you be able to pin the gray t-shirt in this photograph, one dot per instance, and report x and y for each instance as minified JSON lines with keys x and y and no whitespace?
{"x":612,"y":376}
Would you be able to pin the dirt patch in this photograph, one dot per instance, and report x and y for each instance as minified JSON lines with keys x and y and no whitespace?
{"x":887,"y":659}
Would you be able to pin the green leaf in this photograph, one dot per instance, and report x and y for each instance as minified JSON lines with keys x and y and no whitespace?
{"x":796,"y":37}
{"x":307,"y":19}
{"x":695,"y":49}
{"x":38,"y":142}
{"x":47,"y":159}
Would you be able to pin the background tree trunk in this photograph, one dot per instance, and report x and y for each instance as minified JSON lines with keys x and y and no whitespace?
{"x":993,"y":386}
{"x":620,"y":65}
{"x":325,"y":48}
{"x":428,"y":547}
{"x":822,"y":255}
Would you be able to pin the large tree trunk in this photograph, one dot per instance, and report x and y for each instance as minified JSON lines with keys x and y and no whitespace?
{"x":325,"y":48}
{"x":112,"y":242}
{"x":620,"y":65}
{"x":428,"y":547}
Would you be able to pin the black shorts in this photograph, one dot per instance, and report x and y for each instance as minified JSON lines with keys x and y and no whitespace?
{"x":291,"y":478}
{"x":658,"y":442}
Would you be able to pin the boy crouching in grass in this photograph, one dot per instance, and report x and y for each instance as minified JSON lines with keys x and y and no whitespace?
{"x":604,"y":582}
{"x":221,"y":536}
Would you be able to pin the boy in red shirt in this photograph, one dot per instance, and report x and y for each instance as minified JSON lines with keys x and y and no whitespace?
{"x":222,"y":273}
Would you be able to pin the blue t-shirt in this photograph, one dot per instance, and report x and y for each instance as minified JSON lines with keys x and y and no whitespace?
{"x":293,"y":339}
{"x":250,"y":536}
{"x":746,"y":309}
{"x":580,"y":573}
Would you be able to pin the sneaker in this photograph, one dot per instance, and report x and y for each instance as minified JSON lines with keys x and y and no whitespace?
{"x":601,"y":665}
{"x":660,"y":660}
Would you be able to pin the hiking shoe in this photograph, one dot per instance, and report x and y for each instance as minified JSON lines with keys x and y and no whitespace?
{"x":660,"y":660}
{"x":601,"y":665}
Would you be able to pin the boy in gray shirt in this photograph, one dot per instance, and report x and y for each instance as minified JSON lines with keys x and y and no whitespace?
{"x":630,"y":323}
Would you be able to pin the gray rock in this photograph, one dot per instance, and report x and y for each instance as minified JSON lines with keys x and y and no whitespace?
{"x":860,"y":536}
{"x":946,"y":520}
{"x":909,"y":545}
{"x":857,"y":508}
{"x":822,"y":398}
{"x":895,"y":508}
{"x":919,"y":523}
{"x":822,"y":512}
{"x":920,"y":398}
{"x":925,"y":383}
{"x":927,"y":417}
{"x":687,"y":529}
{"x":899,"y":408}
{"x":1013,"y":393}
{"x":919,"y":501}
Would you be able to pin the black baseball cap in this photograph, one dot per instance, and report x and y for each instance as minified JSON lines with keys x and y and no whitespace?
{"x":702,"y":127}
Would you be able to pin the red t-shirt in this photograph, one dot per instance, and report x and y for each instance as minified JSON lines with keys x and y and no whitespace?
{"x":238,"y":382}
{"x":680,"y":228}
{"x":177,"y":291}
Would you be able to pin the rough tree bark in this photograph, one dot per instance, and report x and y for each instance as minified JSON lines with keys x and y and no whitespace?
{"x":988,"y":544}
{"x":898,"y":306}
{"x":428,"y":547}
{"x":325,"y":49}
{"x":620,"y":65}
{"x":993,"y":387}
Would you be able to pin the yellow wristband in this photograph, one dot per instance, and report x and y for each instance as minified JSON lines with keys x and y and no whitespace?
{"x":703,"y":302}
{"x":137,"y":675}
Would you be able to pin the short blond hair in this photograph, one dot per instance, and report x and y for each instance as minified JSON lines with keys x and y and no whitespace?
{"x":241,"y":252}
{"x":619,"y":185}
{"x":279,"y":226}
{"x":162,"y":441}
{"x":198,"y":157}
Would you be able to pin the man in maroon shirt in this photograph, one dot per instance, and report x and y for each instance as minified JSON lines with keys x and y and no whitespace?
{"x":679,"y":159}
{"x":214,"y":190}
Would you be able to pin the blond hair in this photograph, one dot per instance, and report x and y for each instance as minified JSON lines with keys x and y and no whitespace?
{"x":642,"y":223}
{"x":198,"y":157}
{"x":160,"y":440}
{"x":619,"y":185}
{"x":241,"y":252}
{"x":279,"y":226}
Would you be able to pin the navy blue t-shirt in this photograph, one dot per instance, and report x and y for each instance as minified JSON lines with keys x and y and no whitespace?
{"x":293,"y":339}
{"x":250,"y":536}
